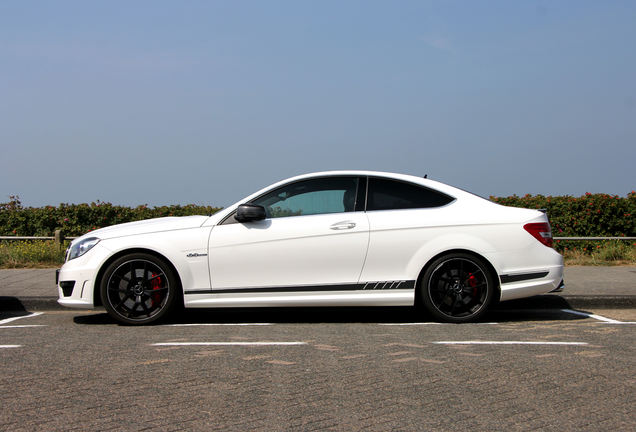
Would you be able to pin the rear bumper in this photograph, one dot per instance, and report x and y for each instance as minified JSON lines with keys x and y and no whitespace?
{"x":535,"y":282}
{"x":560,"y":288}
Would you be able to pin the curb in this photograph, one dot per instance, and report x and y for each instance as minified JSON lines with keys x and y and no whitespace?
{"x":14,"y":304}
{"x":548,"y":301}
{"x":556,"y":301}
{"x":608,"y":302}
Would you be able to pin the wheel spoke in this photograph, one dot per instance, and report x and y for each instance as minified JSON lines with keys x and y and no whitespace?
{"x":455,"y":302}
{"x":145,"y":308}
{"x":155,"y":277}
{"x":123,"y":300}
{"x":118,"y":289}
{"x":121,"y":278}
{"x":155,"y":291}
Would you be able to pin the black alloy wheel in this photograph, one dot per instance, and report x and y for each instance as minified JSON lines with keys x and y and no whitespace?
{"x":457,"y":288}
{"x":138,"y":289}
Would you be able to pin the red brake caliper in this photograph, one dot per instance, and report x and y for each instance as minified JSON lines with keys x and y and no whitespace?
{"x":472,"y":282}
{"x":155,"y":284}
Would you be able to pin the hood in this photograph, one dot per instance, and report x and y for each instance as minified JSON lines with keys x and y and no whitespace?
{"x":147,"y":226}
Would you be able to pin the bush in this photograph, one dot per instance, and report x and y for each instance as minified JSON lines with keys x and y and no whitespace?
{"x":591,"y":215}
{"x":78,"y":219}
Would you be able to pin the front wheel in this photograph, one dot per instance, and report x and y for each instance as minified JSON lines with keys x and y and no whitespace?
{"x":138,"y":289}
{"x":457,"y":288}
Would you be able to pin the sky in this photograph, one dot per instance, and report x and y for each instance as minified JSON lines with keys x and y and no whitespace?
{"x":204,"y":102}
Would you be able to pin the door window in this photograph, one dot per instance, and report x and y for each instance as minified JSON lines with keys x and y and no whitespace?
{"x":310,"y":197}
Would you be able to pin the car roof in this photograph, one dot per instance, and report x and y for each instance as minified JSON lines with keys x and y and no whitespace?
{"x":442,"y":187}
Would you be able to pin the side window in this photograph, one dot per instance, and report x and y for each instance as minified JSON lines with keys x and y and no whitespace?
{"x":310,"y":197}
{"x":386,"y":194}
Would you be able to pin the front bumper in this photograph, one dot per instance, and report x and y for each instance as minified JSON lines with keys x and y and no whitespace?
{"x":76,"y":279}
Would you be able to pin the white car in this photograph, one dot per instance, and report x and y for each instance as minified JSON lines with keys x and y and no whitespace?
{"x":341,"y":238}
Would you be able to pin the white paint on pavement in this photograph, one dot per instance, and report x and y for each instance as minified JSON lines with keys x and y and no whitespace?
{"x":596,"y":317}
{"x":228,"y":343}
{"x":8,"y":320}
{"x":22,"y":326}
{"x":10,"y":346}
{"x":216,"y":324}
{"x":507,"y":343}
{"x":429,"y":323}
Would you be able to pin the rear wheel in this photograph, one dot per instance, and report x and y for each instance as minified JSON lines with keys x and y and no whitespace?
{"x":138,"y":289}
{"x":457,"y":288}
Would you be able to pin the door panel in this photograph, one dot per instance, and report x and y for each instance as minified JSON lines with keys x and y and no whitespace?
{"x":308,"y":250}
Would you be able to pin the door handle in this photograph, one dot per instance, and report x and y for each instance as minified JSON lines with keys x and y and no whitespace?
{"x":343,"y":225}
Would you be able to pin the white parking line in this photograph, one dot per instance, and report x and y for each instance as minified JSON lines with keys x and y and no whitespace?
{"x":10,"y":346}
{"x":429,"y":323}
{"x":507,"y":343}
{"x":228,"y":343}
{"x":8,"y":320}
{"x":22,"y":326}
{"x":216,"y":324}
{"x":597,"y":317}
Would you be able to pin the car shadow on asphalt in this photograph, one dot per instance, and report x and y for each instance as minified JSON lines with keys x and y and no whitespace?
{"x":533,"y":309}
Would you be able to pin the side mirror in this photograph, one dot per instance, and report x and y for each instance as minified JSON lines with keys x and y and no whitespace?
{"x":250,"y":213}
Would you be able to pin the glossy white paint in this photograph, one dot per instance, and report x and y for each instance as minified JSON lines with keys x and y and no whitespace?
{"x":391,"y":245}
{"x":307,"y":250}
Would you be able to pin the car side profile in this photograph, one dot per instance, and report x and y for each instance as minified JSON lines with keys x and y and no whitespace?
{"x":339,"y":238}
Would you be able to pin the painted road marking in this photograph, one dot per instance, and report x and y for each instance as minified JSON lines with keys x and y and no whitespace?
{"x":430,"y":323}
{"x":23,"y":326}
{"x":228,"y":343}
{"x":597,"y":317}
{"x":507,"y":343}
{"x":10,"y":346}
{"x":216,"y":324}
{"x":8,"y":320}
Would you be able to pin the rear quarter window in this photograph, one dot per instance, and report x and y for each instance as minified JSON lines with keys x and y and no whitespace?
{"x":386,"y":194}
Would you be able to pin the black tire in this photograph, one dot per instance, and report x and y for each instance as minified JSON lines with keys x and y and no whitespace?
{"x":457,"y":288}
{"x":139,"y":289}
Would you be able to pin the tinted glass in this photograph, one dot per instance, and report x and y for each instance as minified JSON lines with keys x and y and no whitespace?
{"x":308,"y":197}
{"x":385,"y":194}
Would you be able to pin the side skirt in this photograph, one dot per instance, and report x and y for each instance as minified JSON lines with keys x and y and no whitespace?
{"x":316,"y":297}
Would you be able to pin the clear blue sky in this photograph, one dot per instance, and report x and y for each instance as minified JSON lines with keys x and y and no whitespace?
{"x":176,"y":102}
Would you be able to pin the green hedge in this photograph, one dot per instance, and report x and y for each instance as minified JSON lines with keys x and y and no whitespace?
{"x":591,"y":215}
{"x":78,"y":219}
{"x":588,"y":215}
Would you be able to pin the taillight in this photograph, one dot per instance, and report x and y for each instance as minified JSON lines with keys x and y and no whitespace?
{"x":541,"y":231}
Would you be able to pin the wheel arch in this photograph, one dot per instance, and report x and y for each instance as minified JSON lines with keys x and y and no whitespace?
{"x":97,"y":300}
{"x":491,"y":269}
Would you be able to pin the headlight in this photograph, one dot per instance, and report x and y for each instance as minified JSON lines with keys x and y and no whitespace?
{"x":80,"y":248}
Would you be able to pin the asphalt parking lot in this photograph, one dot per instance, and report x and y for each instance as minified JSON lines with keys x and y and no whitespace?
{"x":522,"y":368}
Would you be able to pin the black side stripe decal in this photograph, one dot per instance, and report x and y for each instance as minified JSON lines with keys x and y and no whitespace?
{"x":368,"y":286}
{"x":522,"y":276}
